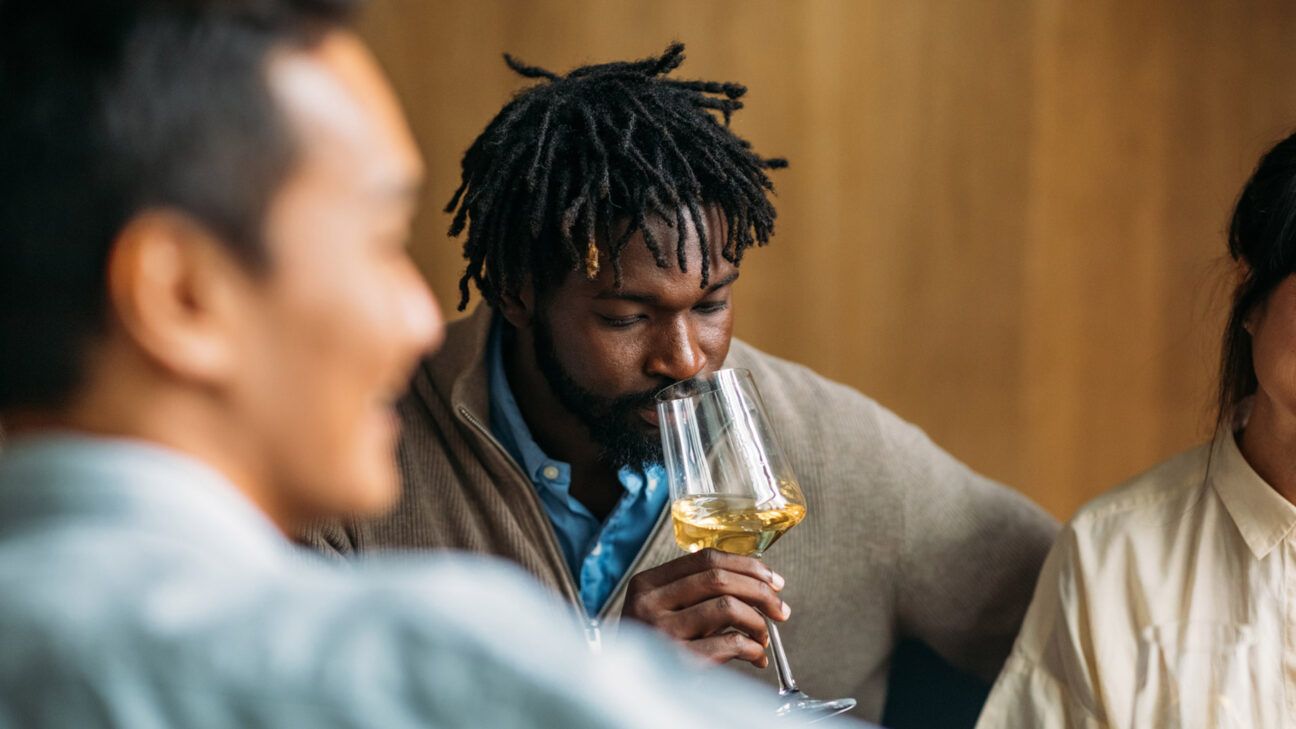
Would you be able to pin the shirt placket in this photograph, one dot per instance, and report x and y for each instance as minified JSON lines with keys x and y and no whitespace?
{"x":594,"y":570}
{"x":1289,"y":631}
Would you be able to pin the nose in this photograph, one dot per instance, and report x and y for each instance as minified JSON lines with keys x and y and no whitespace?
{"x":423,"y":324}
{"x":677,"y":354}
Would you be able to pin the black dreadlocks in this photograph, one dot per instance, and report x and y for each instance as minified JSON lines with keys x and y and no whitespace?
{"x":569,"y":158}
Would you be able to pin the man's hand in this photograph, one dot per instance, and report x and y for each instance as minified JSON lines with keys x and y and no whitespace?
{"x":711,"y":601}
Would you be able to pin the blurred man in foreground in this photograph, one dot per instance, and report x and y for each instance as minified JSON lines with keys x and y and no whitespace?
{"x":206,"y":313}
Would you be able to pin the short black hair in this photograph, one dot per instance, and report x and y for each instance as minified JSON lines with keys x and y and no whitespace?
{"x":1262,"y":237}
{"x":569,"y":159}
{"x":111,"y":107}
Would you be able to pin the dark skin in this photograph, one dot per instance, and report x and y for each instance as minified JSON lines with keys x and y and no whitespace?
{"x":659,"y":327}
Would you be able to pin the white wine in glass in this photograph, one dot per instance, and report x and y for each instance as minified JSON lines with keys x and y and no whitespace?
{"x":732,"y":489}
{"x":735,"y":524}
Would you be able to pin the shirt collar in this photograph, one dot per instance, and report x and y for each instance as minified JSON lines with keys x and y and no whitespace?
{"x":507,"y":422}
{"x":1261,"y":514}
{"x":60,"y":475}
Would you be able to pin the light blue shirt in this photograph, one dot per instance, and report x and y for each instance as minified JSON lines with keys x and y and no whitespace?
{"x":140,"y":589}
{"x":598,"y":553}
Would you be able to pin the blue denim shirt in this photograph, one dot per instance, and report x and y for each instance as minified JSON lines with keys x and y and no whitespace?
{"x":597,"y":553}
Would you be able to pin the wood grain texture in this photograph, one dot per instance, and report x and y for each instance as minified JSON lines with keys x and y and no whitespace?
{"x":1003,"y":220}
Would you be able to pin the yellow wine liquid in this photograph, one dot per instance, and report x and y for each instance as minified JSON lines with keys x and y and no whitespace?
{"x":731,"y":523}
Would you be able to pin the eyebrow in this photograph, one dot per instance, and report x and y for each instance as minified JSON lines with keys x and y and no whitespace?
{"x":613,"y":294}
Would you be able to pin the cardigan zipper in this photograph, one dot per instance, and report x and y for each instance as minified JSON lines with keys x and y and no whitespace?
{"x":552,"y":536}
{"x":592,"y":624}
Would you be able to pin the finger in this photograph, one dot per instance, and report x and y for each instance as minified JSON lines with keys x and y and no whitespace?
{"x":708,"y":559}
{"x":716,"y":616}
{"x":702,"y":586}
{"x":730,"y":646}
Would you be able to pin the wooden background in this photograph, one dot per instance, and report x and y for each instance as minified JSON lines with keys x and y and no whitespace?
{"x":1004,"y":218}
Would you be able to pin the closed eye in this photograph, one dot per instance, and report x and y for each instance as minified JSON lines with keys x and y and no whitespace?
{"x":621,"y":322}
{"x":712,"y":307}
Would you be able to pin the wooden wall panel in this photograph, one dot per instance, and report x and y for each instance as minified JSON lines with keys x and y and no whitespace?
{"x":1004,"y":219}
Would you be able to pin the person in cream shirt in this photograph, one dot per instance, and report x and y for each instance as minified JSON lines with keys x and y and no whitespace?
{"x":1173,"y":597}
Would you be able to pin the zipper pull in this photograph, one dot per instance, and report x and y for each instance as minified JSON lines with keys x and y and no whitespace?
{"x":593,"y":636}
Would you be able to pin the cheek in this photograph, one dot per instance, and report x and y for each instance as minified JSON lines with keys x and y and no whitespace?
{"x":1274,"y":353}
{"x":1276,"y":372}
{"x":715,"y":336}
{"x":341,"y":343}
{"x":601,"y":360}
{"x":335,"y":329}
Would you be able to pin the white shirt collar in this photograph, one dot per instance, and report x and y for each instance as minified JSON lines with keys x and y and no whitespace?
{"x":1261,"y":514}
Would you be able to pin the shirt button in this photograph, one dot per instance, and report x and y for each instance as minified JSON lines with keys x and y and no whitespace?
{"x":550,"y":472}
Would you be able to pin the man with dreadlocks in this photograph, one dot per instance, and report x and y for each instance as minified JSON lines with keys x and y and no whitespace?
{"x":607,"y":211}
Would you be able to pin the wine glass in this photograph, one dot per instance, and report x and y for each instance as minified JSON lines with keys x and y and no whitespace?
{"x":1197,"y":675}
{"x":732,"y":489}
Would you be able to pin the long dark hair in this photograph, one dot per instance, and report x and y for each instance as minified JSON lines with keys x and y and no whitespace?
{"x":1262,"y":240}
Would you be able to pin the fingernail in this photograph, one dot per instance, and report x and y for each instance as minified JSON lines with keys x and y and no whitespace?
{"x":777,"y":580}
{"x":787,"y":611}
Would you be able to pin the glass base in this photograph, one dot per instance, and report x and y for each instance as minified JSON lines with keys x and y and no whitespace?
{"x":805,"y":710}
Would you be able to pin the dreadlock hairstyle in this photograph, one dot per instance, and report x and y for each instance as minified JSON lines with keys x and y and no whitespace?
{"x":569,"y":159}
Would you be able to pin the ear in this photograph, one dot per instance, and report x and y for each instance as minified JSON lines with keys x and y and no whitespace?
{"x":179,"y":295}
{"x":518,"y":309}
{"x":1255,"y":317}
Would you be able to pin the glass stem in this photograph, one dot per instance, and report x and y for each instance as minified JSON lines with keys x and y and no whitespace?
{"x":787,"y":684}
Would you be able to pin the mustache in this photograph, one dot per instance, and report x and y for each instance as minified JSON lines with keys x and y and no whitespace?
{"x":637,"y":400}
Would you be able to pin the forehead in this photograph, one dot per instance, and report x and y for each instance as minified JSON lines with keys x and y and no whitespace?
{"x":640,"y":273}
{"x":344,"y":112}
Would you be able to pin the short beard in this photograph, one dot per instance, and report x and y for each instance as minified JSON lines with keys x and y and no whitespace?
{"x":607,"y":419}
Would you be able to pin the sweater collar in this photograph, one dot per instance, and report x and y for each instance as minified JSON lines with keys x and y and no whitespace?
{"x":458,"y":372}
